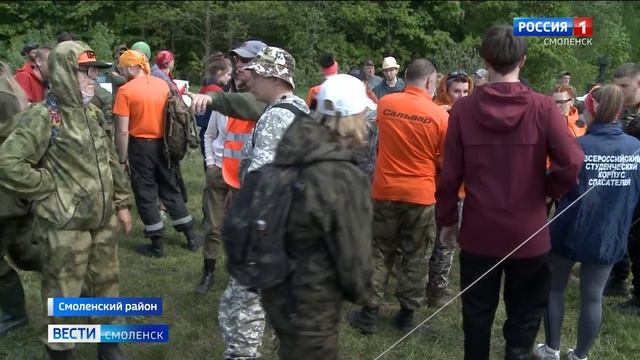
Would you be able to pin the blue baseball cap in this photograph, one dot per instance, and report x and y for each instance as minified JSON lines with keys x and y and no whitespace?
{"x":249,"y":49}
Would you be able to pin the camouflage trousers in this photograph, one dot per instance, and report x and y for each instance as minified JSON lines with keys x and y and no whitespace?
{"x":16,"y":242}
{"x":410,"y":228}
{"x":440,"y":264}
{"x":78,"y":263}
{"x":307,"y":329}
{"x":242,"y":321}
{"x":441,"y":261}
{"x":213,"y":197}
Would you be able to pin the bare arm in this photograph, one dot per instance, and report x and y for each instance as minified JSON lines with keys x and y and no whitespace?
{"x":122,"y":138}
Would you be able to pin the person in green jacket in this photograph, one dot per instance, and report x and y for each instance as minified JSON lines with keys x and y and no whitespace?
{"x":16,"y":238}
{"x":103,"y":99}
{"x":61,"y":159}
{"x":330,"y":223}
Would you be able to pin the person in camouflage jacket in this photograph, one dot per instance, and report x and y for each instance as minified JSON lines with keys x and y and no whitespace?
{"x":60,"y":158}
{"x":330,"y":224}
{"x":16,"y":239}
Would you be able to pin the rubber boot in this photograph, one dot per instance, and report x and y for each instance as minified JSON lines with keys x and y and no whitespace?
{"x":404,"y":320}
{"x":193,"y":243}
{"x":207,"y":277}
{"x":365,"y":320}
{"x":109,"y":352}
{"x":12,"y":303}
{"x":59,"y":354}
{"x":155,"y":249}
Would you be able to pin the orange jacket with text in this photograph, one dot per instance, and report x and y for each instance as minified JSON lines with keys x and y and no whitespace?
{"x":411,"y":132}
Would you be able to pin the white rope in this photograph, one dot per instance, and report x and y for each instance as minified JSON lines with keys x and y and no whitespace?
{"x":491,"y":269}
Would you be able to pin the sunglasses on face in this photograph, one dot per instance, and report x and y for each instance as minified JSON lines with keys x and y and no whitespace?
{"x":91,"y":72}
{"x":240,"y":60}
{"x":560,"y":102}
{"x":453,"y":74}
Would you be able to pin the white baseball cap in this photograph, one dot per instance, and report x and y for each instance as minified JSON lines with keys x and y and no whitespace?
{"x":343,"y":95}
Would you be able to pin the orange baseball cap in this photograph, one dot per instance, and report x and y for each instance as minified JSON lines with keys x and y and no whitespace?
{"x":88,"y":59}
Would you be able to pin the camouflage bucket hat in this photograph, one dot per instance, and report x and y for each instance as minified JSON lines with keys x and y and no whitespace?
{"x":274,"y":62}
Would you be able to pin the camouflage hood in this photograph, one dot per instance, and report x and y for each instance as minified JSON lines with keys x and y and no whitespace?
{"x":308,"y":141}
{"x":63,"y":72}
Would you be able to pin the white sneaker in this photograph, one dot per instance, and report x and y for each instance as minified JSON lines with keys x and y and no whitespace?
{"x":543,"y":352}
{"x":571,"y":355}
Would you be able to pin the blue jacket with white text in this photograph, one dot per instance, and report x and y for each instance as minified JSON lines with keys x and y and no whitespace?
{"x":596,"y":228}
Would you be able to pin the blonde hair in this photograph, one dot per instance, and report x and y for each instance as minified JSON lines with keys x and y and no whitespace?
{"x":7,"y":78}
{"x":610,"y":103}
{"x":350,"y":129}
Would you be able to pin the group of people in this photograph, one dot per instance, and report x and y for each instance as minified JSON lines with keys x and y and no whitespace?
{"x":390,"y":169}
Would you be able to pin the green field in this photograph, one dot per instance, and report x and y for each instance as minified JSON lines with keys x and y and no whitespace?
{"x":194,"y":332}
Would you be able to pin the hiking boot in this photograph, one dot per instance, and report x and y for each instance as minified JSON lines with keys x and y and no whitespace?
{"x":630,"y":307}
{"x":154,"y":249}
{"x":437,"y":297}
{"x":207,"y":277}
{"x":616,"y":287}
{"x":11,"y":322}
{"x":404,"y":320}
{"x":193,"y":242}
{"x":571,"y":355}
{"x":59,"y":354}
{"x":109,"y":352}
{"x":365,"y":320}
{"x":511,"y":353}
{"x":544,"y":352}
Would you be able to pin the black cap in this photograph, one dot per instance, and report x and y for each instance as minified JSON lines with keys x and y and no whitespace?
{"x":326,"y":60}
{"x":28,"y":47}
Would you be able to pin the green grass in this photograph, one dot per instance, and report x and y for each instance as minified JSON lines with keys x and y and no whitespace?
{"x":194,"y":332}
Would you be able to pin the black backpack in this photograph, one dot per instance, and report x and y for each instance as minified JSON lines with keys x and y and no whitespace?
{"x":255,"y":226}
{"x":180,"y":131}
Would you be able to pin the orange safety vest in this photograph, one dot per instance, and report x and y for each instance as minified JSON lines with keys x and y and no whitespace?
{"x":238,"y":132}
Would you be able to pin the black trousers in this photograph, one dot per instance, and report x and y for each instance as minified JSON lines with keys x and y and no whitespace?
{"x":526,"y":294}
{"x":153,"y":180}
{"x":631,"y":261}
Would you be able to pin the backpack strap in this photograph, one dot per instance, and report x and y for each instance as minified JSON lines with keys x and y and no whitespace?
{"x":287,"y":106}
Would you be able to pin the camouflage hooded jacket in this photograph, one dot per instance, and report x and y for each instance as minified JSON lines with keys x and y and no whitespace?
{"x":330,"y":225}
{"x":68,"y":167}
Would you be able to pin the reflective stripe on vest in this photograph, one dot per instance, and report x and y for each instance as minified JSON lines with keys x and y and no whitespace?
{"x":238,"y":133}
{"x":235,"y":154}
{"x":238,"y":137}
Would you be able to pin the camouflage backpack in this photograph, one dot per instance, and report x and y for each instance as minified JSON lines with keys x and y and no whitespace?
{"x":180,"y":131}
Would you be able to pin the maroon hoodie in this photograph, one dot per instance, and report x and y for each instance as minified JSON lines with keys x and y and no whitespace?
{"x":497,"y":143}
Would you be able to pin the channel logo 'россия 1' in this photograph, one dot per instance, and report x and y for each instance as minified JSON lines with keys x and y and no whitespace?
{"x":575,"y":26}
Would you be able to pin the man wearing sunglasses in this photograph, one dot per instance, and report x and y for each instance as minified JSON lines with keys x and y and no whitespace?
{"x":564,"y":96}
{"x":81,"y":195}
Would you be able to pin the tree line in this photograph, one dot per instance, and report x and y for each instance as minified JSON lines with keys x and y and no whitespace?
{"x":449,"y":32}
